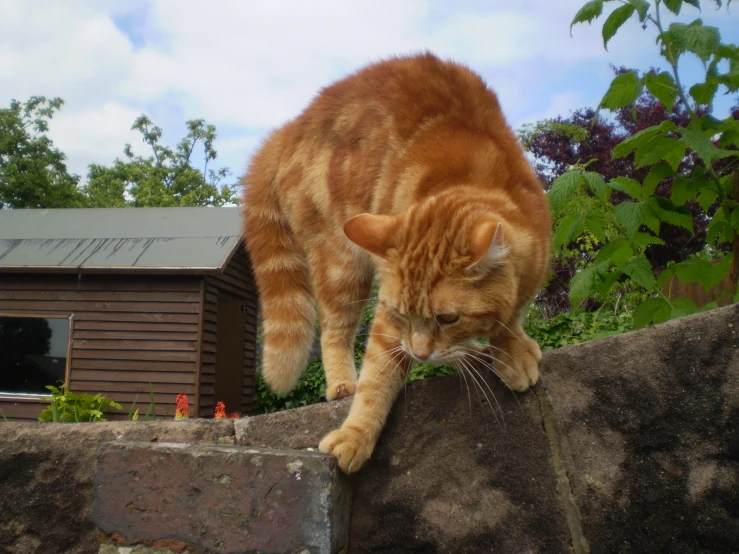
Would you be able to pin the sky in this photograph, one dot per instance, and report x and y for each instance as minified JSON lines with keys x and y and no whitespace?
{"x":249,"y":66}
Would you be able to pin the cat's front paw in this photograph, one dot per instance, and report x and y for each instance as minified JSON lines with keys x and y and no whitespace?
{"x":351,"y":448}
{"x":518,"y":364}
{"x":340,"y":389}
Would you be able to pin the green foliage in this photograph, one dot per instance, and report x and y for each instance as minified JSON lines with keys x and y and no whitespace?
{"x":167,"y":178}
{"x":575,"y":327}
{"x":661,"y":148}
{"x":32,"y":172}
{"x":66,"y":406}
{"x":311,"y":389}
{"x":529,"y":131}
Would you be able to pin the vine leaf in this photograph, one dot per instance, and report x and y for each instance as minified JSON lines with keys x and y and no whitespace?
{"x":624,"y":90}
{"x":590,"y":11}
{"x":640,"y":271}
{"x":564,"y":186}
{"x":618,"y":17}
{"x":630,"y":215}
{"x":663,"y":87}
{"x":652,"y":310}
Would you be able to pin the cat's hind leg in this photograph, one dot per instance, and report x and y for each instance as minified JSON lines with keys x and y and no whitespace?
{"x":342,"y":287}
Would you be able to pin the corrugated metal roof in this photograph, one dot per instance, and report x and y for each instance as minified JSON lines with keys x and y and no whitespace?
{"x":176,"y":239}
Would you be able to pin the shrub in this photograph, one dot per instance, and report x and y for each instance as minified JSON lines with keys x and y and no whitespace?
{"x":66,"y":406}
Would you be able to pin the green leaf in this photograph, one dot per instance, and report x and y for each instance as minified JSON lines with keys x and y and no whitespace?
{"x":618,"y":17}
{"x":596,"y":227}
{"x":624,"y":90}
{"x":719,"y":230}
{"x":734,"y":219}
{"x":702,"y":145}
{"x":645,"y":239}
{"x":583,"y":285}
{"x":698,"y":186}
{"x":642,"y":7}
{"x":567,"y":229}
{"x":630,"y":215}
{"x":564,"y":186}
{"x":701,"y":40}
{"x":698,"y":270}
{"x":730,"y":137}
{"x":617,"y":252}
{"x":598,"y":185}
{"x":626,"y":185}
{"x":610,"y":280}
{"x":640,"y":270}
{"x":652,"y":221}
{"x":651,"y":310}
{"x":641,"y":138}
{"x":586,"y":283}
{"x":660,"y":148}
{"x":707,"y":198}
{"x":669,"y":213}
{"x":667,"y":273}
{"x":662,"y":86}
{"x":591,"y":10}
{"x":703,"y":93}
{"x":683,"y":306}
{"x":684,"y":189}
{"x":655,"y":176}
{"x":674,"y":5}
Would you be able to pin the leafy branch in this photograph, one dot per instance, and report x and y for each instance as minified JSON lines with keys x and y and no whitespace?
{"x":713,"y":143}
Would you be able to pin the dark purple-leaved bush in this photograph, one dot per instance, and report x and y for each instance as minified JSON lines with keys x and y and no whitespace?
{"x":554,"y":151}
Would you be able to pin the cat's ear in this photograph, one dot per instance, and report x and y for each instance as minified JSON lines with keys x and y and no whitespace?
{"x":372,"y":232}
{"x":489,"y":246}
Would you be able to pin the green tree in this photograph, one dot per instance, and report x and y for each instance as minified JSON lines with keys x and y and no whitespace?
{"x":32,"y":172}
{"x":167,"y":177}
{"x":712,"y":181}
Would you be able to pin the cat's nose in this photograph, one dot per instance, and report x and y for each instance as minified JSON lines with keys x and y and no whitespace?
{"x":422,"y":355}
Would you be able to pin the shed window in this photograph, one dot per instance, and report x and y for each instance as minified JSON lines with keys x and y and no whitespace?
{"x":33,"y":353}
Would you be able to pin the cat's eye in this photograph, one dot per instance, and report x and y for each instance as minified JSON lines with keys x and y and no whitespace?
{"x":447,"y":318}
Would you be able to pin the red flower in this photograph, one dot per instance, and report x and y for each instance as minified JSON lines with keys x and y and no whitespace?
{"x":220,"y":412}
{"x":235,"y":415}
{"x":183,"y":407}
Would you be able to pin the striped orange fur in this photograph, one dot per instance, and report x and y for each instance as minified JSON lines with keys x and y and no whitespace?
{"x":406,"y":170}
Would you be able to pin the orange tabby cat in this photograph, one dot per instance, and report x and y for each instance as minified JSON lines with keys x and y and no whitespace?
{"x":406,"y":170}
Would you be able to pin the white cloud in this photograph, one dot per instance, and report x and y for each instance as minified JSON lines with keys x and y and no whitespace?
{"x":249,"y":66}
{"x":95,"y":135}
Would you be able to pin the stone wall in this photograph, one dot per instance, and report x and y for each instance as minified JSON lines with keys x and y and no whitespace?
{"x":629,"y":444}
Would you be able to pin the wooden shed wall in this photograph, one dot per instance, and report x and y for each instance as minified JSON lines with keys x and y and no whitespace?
{"x":237,"y":280}
{"x":128,"y":331}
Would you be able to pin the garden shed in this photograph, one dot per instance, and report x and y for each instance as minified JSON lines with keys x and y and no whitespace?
{"x":120,"y":300}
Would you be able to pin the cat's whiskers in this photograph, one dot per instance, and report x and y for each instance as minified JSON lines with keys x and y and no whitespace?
{"x":396,"y":358}
{"x":388,"y":351}
{"x":476,"y":355}
{"x":463,"y":369}
{"x":491,"y":367}
{"x":497,"y":373}
{"x":470,"y":369}
{"x":461,"y":373}
{"x":507,"y":354}
{"x":499,"y":322}
{"x":355,"y":301}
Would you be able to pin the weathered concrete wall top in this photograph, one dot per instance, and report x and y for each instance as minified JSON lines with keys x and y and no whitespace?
{"x":630,"y":444}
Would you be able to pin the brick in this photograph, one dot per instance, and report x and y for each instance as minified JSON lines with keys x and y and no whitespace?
{"x":220,"y":498}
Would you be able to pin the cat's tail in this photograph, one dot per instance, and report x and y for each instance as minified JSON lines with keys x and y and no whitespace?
{"x":282,"y":275}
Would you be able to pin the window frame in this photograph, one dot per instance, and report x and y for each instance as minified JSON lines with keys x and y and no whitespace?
{"x":31,"y":397}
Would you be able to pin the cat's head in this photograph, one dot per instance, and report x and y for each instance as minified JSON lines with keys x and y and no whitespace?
{"x":447,"y":276}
